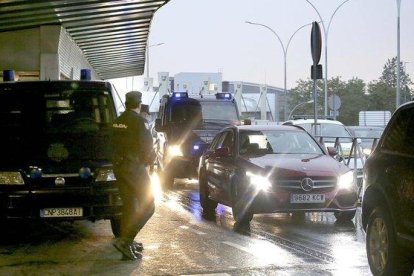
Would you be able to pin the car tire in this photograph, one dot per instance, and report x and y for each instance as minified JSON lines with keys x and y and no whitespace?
{"x":385,"y":256}
{"x":116,"y":227}
{"x":208,"y":205}
{"x":344,"y":215}
{"x":241,"y":213}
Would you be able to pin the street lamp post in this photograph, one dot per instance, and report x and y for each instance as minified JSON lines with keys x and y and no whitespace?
{"x":296,"y":106}
{"x":397,"y":100}
{"x":326,"y":31}
{"x":147,"y":59}
{"x":285,"y":50}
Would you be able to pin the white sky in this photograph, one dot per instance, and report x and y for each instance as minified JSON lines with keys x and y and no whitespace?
{"x":212,"y":36}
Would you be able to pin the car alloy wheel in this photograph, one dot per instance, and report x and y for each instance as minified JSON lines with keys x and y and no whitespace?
{"x":378,"y":244}
{"x":385,"y":256}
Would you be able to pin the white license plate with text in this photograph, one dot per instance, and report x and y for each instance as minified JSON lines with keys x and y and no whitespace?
{"x":307,"y":198}
{"x":61,"y":212}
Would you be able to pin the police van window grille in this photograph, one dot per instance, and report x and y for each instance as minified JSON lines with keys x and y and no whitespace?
{"x":78,"y":111}
{"x":106,"y":110}
{"x":106,"y":114}
{"x":219,"y":111}
{"x":97,"y":114}
{"x":185,"y":113}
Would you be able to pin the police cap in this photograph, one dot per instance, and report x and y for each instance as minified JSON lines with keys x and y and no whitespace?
{"x":133,"y":97}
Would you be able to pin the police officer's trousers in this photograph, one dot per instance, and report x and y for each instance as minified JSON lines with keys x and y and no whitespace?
{"x":138,"y":202}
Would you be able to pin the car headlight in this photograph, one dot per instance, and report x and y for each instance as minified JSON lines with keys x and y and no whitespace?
{"x":259,"y":182}
{"x":11,"y":178}
{"x":104,"y":175}
{"x":346,"y":181}
{"x":174,"y":151}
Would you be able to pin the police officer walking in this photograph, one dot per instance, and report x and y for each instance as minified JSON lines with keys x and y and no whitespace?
{"x":132,"y":152}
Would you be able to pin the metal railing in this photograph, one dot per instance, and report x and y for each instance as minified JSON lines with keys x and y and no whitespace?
{"x":354,"y":158}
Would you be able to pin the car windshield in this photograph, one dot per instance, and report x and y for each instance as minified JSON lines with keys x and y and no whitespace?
{"x":79,"y":118}
{"x":59,"y":112}
{"x":219,"y":110}
{"x":277,"y":142}
{"x":185,"y":112}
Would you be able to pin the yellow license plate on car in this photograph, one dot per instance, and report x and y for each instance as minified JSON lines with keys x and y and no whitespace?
{"x":307,"y":198}
{"x":61,"y":212}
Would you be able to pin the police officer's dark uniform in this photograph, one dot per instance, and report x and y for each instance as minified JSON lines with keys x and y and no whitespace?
{"x":132,"y":151}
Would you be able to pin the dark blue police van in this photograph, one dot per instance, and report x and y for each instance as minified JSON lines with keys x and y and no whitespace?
{"x":55,"y":161}
{"x":185,"y":127}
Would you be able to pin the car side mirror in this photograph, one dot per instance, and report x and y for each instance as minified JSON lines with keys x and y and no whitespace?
{"x":158,"y":125}
{"x":332,"y":151}
{"x":222,"y":152}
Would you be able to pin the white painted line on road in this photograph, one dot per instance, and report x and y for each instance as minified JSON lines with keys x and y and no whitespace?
{"x":152,"y":246}
{"x":300,"y":248}
{"x":192,"y":230}
{"x":266,"y":252}
{"x":242,"y":248}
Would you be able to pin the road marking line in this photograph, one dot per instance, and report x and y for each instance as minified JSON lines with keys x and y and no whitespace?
{"x":192,"y":230}
{"x":265,"y":252}
{"x":242,"y":248}
{"x":152,"y":246}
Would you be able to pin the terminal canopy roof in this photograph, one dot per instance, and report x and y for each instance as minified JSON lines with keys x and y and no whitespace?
{"x":112,"y":34}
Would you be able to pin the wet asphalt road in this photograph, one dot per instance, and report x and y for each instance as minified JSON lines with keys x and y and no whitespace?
{"x":178,"y":241}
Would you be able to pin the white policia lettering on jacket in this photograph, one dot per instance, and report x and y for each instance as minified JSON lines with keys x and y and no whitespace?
{"x":119,"y":126}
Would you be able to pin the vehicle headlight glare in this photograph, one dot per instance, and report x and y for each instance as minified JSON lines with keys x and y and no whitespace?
{"x":346,"y":181}
{"x":104,"y":175}
{"x":366,"y":152}
{"x":174,"y":151}
{"x":261,"y":183}
{"x":11,"y":178}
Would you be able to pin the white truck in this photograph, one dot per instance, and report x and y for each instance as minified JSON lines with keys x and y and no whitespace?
{"x":374,"y":118}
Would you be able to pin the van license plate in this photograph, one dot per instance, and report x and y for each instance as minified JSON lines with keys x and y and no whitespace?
{"x":61,"y":212}
{"x":307,"y":198}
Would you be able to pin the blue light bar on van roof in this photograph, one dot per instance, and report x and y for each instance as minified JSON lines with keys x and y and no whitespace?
{"x":179,"y":95}
{"x":85,"y":74}
{"x":8,"y":75}
{"x":223,"y":96}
